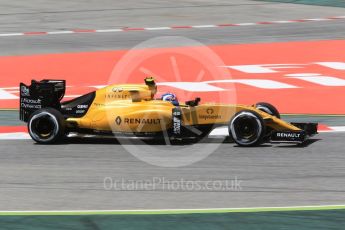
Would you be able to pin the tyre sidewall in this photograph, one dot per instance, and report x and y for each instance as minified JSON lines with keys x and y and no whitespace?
{"x":260,"y":123}
{"x":268,"y":108}
{"x":58,"y":121}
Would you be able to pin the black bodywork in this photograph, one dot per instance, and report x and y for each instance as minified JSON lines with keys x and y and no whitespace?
{"x":49,"y":93}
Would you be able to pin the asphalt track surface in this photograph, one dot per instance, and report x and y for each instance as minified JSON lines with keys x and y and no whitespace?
{"x":207,"y":36}
{"x":78,"y":15}
{"x":70,"y":176}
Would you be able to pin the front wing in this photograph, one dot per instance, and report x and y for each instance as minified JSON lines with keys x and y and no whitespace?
{"x":307,"y":130}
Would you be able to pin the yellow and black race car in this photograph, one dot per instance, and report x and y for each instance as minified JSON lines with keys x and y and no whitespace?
{"x":132,"y":109}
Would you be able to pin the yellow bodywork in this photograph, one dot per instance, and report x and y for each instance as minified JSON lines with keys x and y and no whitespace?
{"x":131,"y":108}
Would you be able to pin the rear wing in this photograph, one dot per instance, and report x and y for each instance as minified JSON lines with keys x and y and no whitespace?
{"x":40,"y":94}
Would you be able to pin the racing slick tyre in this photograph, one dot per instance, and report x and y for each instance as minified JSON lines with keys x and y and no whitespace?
{"x":268,"y":108}
{"x":247,"y":128}
{"x":46,"y":126}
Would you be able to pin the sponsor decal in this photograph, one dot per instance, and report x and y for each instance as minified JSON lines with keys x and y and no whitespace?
{"x":24,"y":91}
{"x":118,"y":96}
{"x":177,"y":125}
{"x":177,"y":113}
{"x":100,"y":104}
{"x":155,"y":121}
{"x":118,"y":120}
{"x":117,"y":89}
{"x":209,"y":111}
{"x":81,"y":109}
{"x":209,"y":115}
{"x":82,"y":106}
{"x":30,"y":103}
{"x":289,"y":135}
{"x":177,"y":121}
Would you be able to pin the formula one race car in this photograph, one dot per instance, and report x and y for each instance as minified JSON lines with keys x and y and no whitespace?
{"x":132,"y":109}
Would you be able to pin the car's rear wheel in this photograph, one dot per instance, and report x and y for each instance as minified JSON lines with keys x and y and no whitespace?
{"x":46,"y":126}
{"x":268,"y":108}
{"x":247,"y":128}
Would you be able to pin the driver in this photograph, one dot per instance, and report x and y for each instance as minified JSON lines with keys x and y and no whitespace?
{"x":170,"y":97}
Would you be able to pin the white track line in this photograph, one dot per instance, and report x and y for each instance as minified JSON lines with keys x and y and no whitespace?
{"x":158,"y":28}
{"x":60,"y":32}
{"x":337,"y":129}
{"x":253,"y":209}
{"x":246,"y":24}
{"x":218,"y":132}
{"x":108,"y":30}
{"x":129,"y":29}
{"x":14,"y":136}
{"x":204,"y":26}
{"x":4,"y":95}
{"x":11,"y":34}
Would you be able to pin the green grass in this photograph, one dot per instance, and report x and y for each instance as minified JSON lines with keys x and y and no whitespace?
{"x":268,"y":219}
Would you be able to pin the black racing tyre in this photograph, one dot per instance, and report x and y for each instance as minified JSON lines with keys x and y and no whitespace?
{"x":247,"y":128}
{"x":46,"y":126}
{"x":268,"y":108}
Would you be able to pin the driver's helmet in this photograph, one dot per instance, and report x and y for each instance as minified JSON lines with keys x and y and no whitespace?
{"x":170,"y":97}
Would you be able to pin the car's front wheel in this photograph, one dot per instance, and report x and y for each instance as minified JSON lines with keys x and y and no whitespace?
{"x":247,"y":128}
{"x":268,"y":108}
{"x":46,"y":126}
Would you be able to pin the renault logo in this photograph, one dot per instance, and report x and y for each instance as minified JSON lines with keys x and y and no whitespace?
{"x":118,"y":120}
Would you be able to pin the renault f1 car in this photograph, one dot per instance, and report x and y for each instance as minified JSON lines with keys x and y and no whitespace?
{"x":132,"y":109}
